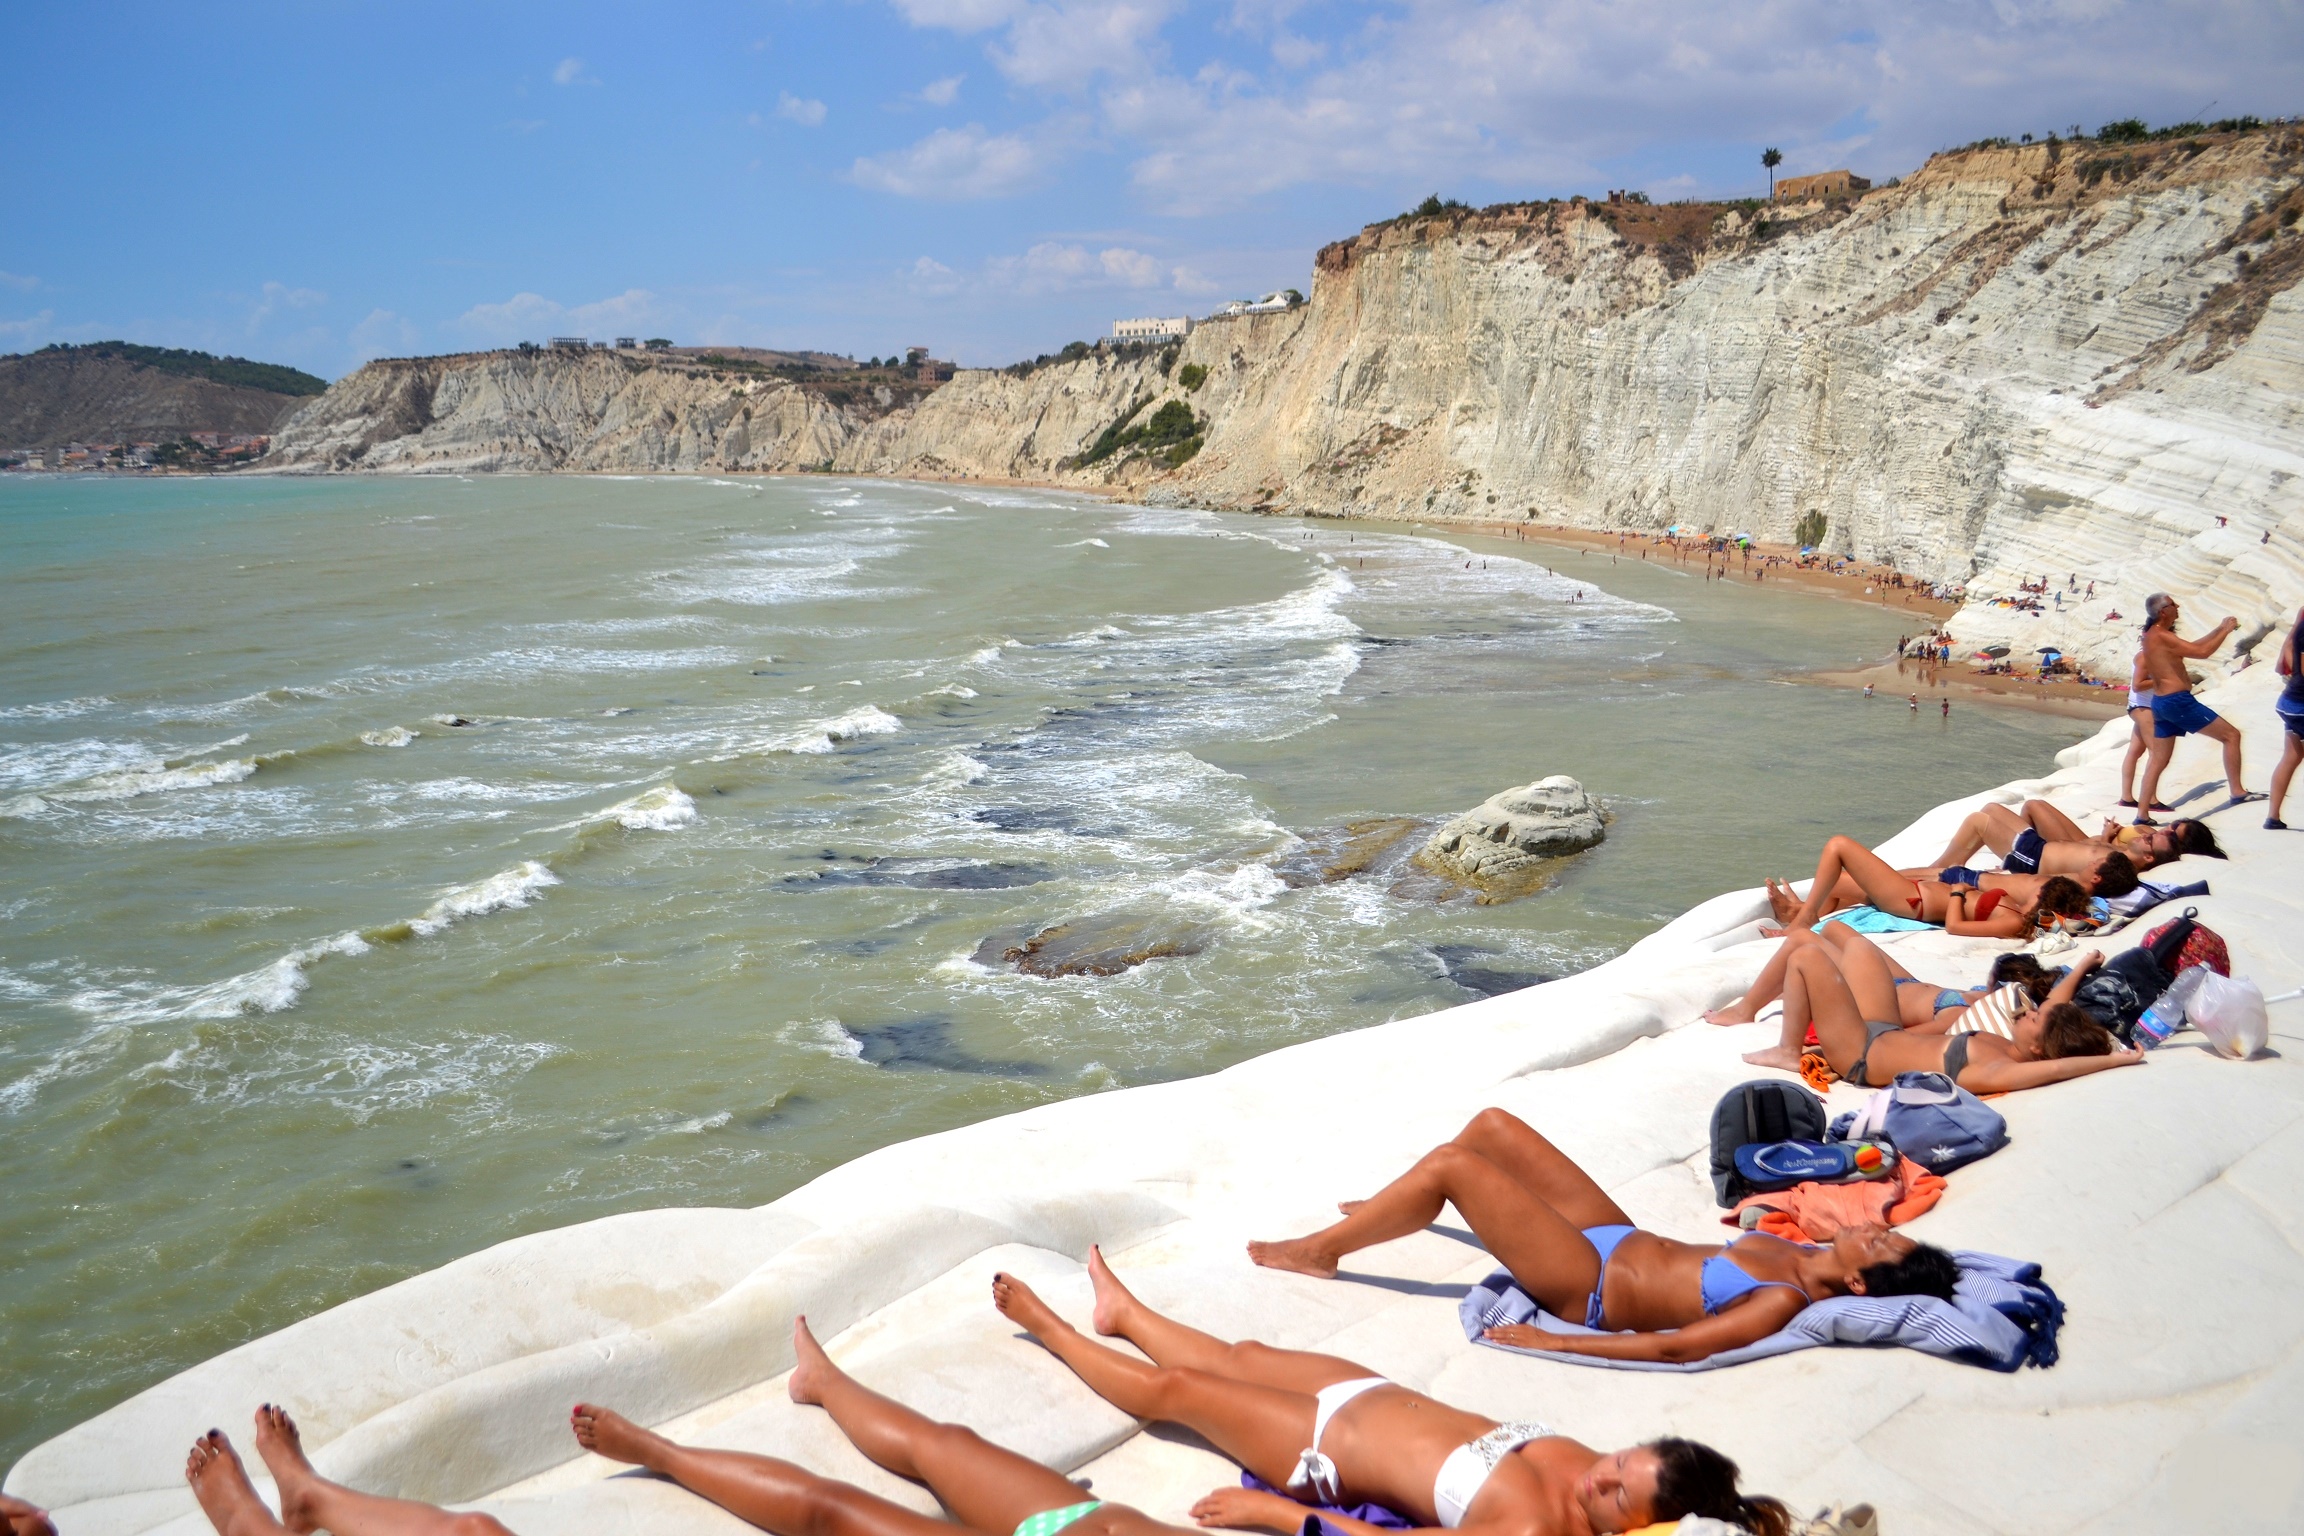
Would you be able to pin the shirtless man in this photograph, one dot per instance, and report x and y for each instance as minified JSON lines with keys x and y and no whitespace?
{"x":2175,"y":713}
{"x":2042,"y":840}
{"x":1344,"y":1436}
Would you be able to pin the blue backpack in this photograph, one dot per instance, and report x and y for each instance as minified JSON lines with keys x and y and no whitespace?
{"x":1939,"y":1124}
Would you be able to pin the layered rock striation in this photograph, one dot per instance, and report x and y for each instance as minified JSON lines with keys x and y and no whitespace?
{"x":2068,"y":358}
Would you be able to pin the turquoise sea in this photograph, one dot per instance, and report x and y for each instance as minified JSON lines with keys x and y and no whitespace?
{"x":388,"y":868}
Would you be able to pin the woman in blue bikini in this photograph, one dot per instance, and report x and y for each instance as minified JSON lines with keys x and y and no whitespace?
{"x":1575,"y":1251}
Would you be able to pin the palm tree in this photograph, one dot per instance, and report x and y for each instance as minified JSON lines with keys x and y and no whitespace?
{"x":1771,"y":158}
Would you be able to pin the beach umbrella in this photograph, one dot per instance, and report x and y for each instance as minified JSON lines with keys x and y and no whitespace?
{"x":1807,"y":549}
{"x":2051,"y":650}
{"x":1995,"y":651}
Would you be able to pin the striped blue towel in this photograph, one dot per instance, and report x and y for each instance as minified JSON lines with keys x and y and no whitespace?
{"x":2002,"y":1315}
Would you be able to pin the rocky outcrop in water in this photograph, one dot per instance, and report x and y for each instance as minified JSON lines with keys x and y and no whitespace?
{"x":1505,"y":846}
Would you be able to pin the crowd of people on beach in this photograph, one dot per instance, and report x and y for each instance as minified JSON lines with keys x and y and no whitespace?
{"x":1327,"y":1443}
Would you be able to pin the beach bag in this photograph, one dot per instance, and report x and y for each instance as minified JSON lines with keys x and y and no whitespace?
{"x":2116,"y":993}
{"x":1766,"y":1166}
{"x":2183,"y":943}
{"x":2230,"y":1012}
{"x":1768,"y":1110}
{"x":1939,"y":1124}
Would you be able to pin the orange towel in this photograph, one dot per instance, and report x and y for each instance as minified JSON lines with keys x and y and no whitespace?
{"x":1812,"y":1213}
{"x":1816,"y":1072}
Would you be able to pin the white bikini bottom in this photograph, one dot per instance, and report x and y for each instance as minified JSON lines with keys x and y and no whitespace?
{"x":1315,"y":1473}
{"x":1467,"y":1469}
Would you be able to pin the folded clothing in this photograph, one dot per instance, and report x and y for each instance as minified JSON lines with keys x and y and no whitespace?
{"x":2001,"y":1316}
{"x":1366,"y":1514}
{"x":1873,"y":920}
{"x":1814,"y":1212}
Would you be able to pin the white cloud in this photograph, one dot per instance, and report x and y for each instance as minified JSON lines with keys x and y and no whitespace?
{"x":531,"y":316}
{"x":795,"y":109}
{"x":383,"y":334}
{"x":931,"y":276}
{"x":278,"y":296}
{"x":19,"y":280}
{"x":1558,"y":94}
{"x":28,"y":327}
{"x":954,"y":164}
{"x":1058,"y":266}
{"x":942,"y":93}
{"x":570,"y":71}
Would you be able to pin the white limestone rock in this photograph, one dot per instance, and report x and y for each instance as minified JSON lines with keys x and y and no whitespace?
{"x":1501,"y":846}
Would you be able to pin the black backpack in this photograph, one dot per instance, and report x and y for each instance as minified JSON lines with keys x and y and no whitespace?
{"x":2117,"y":992}
{"x":1769,"y":1109}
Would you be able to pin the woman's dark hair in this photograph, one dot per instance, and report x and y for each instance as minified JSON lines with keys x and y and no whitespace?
{"x":2194,"y":837}
{"x":2071,"y":1030}
{"x":1693,"y":1479}
{"x":1926,"y":1271}
{"x":2060,"y":896}
{"x":2025,"y":971}
{"x":2116,"y":875}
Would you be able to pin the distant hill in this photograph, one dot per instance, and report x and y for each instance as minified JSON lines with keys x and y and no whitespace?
{"x":117,"y":391}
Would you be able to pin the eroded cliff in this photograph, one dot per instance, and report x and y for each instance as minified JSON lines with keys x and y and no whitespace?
{"x":2056,"y":358}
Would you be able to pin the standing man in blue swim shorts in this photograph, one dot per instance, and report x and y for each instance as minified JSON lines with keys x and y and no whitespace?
{"x":2175,"y":713}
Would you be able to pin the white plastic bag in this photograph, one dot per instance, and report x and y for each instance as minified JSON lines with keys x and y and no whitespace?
{"x":2229,"y":1010}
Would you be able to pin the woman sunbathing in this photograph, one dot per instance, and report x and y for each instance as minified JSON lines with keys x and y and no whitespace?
{"x":1575,"y":1251}
{"x":1850,"y":999}
{"x":1922,"y":1005}
{"x":1340,"y":1435}
{"x":1963,"y":901}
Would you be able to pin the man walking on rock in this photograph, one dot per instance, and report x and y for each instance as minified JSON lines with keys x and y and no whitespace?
{"x":2175,"y":713}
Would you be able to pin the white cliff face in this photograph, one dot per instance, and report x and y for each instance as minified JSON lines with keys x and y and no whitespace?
{"x":2019,"y":362}
{"x":597,"y":411}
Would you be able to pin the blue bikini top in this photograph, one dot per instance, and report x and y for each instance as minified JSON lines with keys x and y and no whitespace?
{"x":1723,"y":1281}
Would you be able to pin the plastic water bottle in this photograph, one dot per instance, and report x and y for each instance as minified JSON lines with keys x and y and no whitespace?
{"x":2166,"y":1015}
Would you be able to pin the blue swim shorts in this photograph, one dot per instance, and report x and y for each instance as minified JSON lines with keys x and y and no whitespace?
{"x":2024,"y":857}
{"x":2292,"y":718}
{"x":2180,"y":714}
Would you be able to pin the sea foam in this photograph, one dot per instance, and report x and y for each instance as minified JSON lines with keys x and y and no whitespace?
{"x":656,"y":810}
{"x":824,"y":735}
{"x":514,"y":887}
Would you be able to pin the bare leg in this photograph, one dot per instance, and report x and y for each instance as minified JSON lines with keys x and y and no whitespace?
{"x":1768,"y":985}
{"x":1171,"y":1343}
{"x":1262,"y":1428}
{"x":1832,"y":1007}
{"x":1881,"y":884}
{"x":2229,"y":734}
{"x":774,"y":1495}
{"x":310,"y":1502}
{"x":2052,"y":824}
{"x":1542,"y":1244}
{"x":2155,"y":764}
{"x":2139,"y":743}
{"x":2290,"y":755}
{"x":1992,"y":826}
{"x":221,"y":1485}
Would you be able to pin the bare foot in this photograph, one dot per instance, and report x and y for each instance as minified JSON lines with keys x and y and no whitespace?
{"x":1297,"y":1255}
{"x":605,"y":1432}
{"x":221,"y":1485}
{"x":1782,"y":902}
{"x":1775,"y":1056}
{"x":283,"y":1451}
{"x":1021,"y":1305}
{"x":810,"y":1365}
{"x":1735,"y":1013}
{"x":1349,"y":1206}
{"x":1114,"y":1301}
{"x":1771,"y":930}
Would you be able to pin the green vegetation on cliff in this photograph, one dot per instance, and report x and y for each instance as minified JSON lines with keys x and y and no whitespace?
{"x":275,"y":377}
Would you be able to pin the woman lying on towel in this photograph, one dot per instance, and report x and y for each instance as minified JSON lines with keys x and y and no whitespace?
{"x":1849,"y":995}
{"x":1336,"y":1434}
{"x":2017,"y":982}
{"x":1971,"y":903}
{"x":1575,"y":1251}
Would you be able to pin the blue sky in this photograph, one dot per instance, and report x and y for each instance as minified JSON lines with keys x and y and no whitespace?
{"x":321,"y":183}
